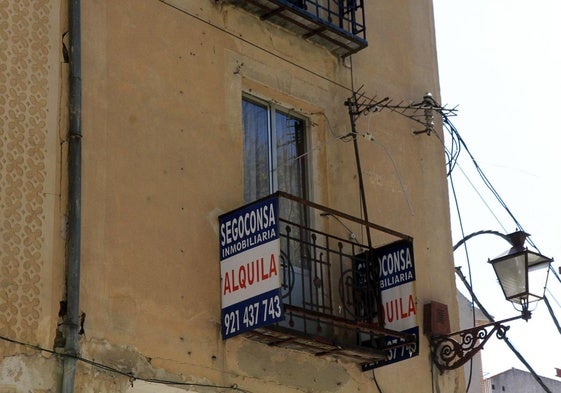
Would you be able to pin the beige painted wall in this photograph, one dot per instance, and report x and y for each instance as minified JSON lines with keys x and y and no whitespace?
{"x":162,"y":85}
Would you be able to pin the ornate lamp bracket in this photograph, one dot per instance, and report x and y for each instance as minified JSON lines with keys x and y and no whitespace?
{"x":455,"y":349}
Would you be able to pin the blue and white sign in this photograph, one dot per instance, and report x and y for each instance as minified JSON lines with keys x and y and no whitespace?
{"x":250,"y":267}
{"x":397,"y":283}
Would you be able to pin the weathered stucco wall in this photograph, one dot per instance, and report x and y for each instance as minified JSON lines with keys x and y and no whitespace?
{"x":162,"y":158}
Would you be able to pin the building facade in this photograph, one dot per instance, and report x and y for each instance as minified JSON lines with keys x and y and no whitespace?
{"x":519,"y":381}
{"x":136,"y":136}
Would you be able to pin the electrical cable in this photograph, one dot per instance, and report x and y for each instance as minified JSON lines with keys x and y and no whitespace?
{"x":554,"y":273}
{"x":486,"y":180}
{"x":433,"y":379}
{"x":345,"y":138}
{"x":455,"y":145}
{"x":554,"y":298}
{"x":548,"y":304}
{"x":452,"y":163}
{"x":555,"y":320}
{"x":376,"y":382}
{"x":468,"y":261}
{"x":131,"y":376}
{"x":482,"y":198}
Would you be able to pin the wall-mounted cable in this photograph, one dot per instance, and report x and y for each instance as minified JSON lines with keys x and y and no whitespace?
{"x":127,"y":374}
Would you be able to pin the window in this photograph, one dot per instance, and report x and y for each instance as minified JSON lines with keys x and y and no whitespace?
{"x":274,"y":147}
{"x":274,"y":160}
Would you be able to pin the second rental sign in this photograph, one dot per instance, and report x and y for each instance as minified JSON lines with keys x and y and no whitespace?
{"x":399,"y":299}
{"x":250,"y":267}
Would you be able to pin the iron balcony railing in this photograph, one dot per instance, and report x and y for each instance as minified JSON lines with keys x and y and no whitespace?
{"x":336,"y":24}
{"x":330,"y":285}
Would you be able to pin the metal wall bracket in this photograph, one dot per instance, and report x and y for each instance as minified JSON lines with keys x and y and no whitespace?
{"x":455,"y":349}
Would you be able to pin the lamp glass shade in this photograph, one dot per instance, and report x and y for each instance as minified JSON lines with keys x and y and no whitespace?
{"x":538,"y":273}
{"x":522,"y":275}
{"x":511,"y":272}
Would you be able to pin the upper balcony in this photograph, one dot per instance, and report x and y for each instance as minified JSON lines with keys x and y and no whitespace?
{"x":330,"y":286}
{"x":336,"y":24}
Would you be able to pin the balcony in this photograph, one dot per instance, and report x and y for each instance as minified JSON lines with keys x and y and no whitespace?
{"x":336,"y":24}
{"x":330,"y":287}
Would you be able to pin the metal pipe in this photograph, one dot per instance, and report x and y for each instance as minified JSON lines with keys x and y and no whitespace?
{"x":72,"y":317}
{"x":351,"y":103}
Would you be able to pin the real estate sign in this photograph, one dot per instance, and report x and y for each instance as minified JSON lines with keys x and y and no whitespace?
{"x":397,"y":283}
{"x":250,"y":267}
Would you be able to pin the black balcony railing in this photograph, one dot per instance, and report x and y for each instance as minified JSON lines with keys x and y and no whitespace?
{"x":336,"y":24}
{"x":330,"y":285}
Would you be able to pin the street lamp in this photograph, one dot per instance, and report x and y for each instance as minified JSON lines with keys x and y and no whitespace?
{"x":522,"y":275}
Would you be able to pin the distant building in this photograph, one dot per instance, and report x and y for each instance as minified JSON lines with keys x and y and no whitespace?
{"x":518,"y":381}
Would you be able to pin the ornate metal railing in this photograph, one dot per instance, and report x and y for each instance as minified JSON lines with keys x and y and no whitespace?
{"x":330,"y":286}
{"x":336,"y":24}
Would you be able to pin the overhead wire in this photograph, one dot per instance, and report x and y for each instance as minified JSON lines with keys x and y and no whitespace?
{"x":480,"y":195}
{"x":484,"y":177}
{"x":452,"y":163}
{"x":555,"y":320}
{"x":548,"y":304}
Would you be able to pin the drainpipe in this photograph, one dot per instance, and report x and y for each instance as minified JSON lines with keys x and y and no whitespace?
{"x":71,"y":321}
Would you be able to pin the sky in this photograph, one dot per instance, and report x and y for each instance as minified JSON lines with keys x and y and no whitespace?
{"x":500,"y":64}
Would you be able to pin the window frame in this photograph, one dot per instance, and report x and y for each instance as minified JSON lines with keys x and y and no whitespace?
{"x":302,"y":152}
